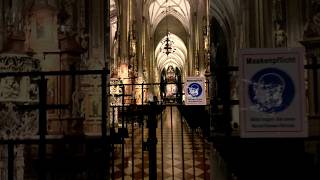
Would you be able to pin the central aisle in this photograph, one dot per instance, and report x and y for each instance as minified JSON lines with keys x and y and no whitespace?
{"x":180,"y":152}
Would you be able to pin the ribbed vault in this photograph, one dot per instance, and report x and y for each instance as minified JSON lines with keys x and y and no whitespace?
{"x":180,"y":9}
{"x":176,"y":58}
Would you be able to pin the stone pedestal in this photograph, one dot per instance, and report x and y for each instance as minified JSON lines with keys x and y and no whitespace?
{"x":16,"y":123}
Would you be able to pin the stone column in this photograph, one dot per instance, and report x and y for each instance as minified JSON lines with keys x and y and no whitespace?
{"x":193,"y":42}
{"x":189,"y":63}
{"x":311,"y":43}
{"x":147,"y":51}
{"x":279,"y":23}
{"x":3,"y":162}
{"x":142,"y":48}
{"x":313,"y":86}
{"x":19,"y":162}
{"x":295,"y":23}
{"x":140,"y":33}
{"x":96,"y":34}
{"x":1,"y":24}
{"x":123,"y":8}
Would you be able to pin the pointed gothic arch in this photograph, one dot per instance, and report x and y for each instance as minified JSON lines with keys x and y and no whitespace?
{"x":159,"y":9}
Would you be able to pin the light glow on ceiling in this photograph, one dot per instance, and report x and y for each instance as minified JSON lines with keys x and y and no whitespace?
{"x":180,"y":9}
{"x":176,"y":58}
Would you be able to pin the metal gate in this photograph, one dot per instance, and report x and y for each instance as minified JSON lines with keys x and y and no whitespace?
{"x":157,"y":139}
{"x":153,"y":139}
{"x":28,"y":148}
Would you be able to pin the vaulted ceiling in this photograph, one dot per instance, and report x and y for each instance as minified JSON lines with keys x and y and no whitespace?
{"x":176,"y":58}
{"x":180,"y":9}
{"x":170,"y":16}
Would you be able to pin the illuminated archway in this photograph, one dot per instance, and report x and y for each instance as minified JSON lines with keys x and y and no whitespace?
{"x":176,"y":58}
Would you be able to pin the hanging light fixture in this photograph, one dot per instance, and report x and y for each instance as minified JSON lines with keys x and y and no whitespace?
{"x":167,"y":43}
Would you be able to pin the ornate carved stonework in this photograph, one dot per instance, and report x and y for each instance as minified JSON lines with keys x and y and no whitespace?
{"x":279,"y":22}
{"x":312,"y":27}
{"x":18,"y":162}
{"x":14,"y":20}
{"x":77,"y":104}
{"x":18,"y":89}
{"x":16,"y":63}
{"x":312,"y":46}
{"x":66,"y":17}
{"x":17,"y":124}
{"x":15,"y":92}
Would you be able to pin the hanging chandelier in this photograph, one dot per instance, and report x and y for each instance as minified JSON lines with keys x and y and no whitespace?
{"x":167,"y":43}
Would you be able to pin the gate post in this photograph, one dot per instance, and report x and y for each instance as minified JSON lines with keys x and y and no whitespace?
{"x":42,"y":127}
{"x":152,"y":141}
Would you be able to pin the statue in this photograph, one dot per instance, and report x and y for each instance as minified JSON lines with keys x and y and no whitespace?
{"x":114,"y":73}
{"x":77,"y":104}
{"x":66,"y":17}
{"x":83,"y":40}
{"x":10,"y":88}
{"x":312,"y":28}
{"x":33,"y":91}
{"x":145,"y":75}
{"x":280,"y":36}
{"x":95,"y":108}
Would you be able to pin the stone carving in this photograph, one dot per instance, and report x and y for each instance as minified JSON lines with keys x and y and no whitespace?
{"x":15,"y":124}
{"x":83,"y":40}
{"x":23,"y":89}
{"x":312,"y":27}
{"x":3,"y":162}
{"x":33,"y":91}
{"x":132,"y":72}
{"x":145,"y":75}
{"x":234,"y":87}
{"x":95,"y":107}
{"x":18,"y":162}
{"x":66,"y":17}
{"x":14,"y":22}
{"x":77,"y":104}
{"x":14,"y":63}
{"x":10,"y":87}
{"x":280,"y":36}
{"x":279,"y":22}
{"x":114,"y":73}
{"x":115,"y":92}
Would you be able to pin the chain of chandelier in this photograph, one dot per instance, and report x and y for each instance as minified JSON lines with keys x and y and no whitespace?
{"x":167,"y":43}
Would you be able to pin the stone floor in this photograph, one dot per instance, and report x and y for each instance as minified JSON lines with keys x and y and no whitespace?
{"x":181,"y":154}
